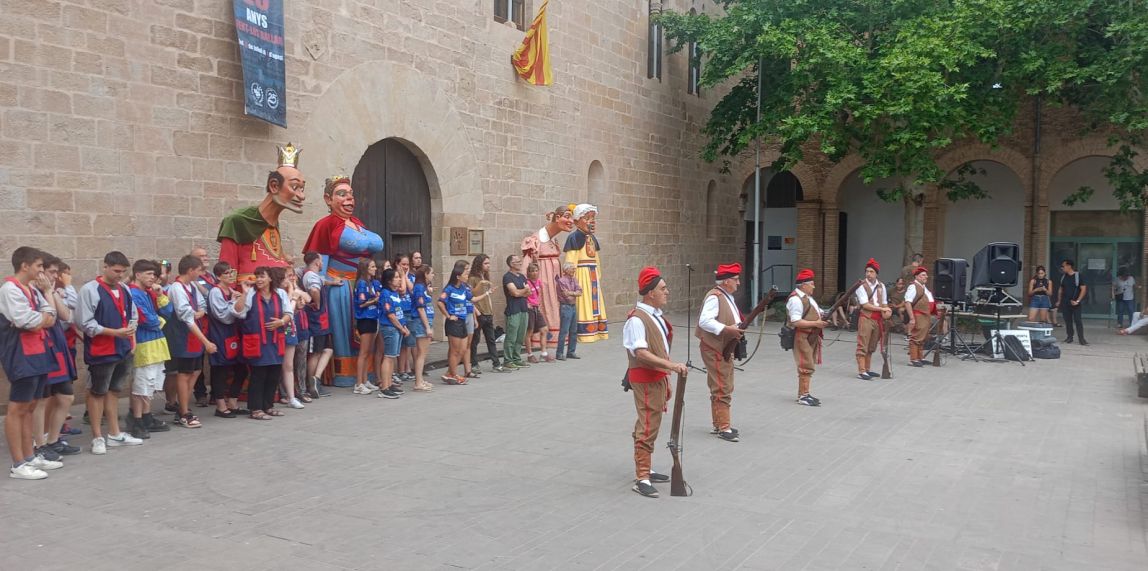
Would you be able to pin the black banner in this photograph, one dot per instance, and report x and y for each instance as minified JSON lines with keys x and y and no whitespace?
{"x":259,"y":27}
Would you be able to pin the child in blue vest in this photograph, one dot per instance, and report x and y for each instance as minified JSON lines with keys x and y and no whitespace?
{"x":264,"y":341}
{"x":391,"y":331}
{"x":60,"y":381}
{"x":321,"y":348}
{"x":226,"y":307}
{"x":108,"y":318}
{"x":367,"y":294}
{"x":185,"y":338}
{"x":154,"y":309}
{"x":27,"y":355}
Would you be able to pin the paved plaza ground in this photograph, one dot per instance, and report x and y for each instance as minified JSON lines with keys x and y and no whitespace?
{"x":969,"y":466}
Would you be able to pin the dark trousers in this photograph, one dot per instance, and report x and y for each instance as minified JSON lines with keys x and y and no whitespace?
{"x":261,"y":390}
{"x":1072,"y":318}
{"x":1124,"y":307}
{"x":227,"y":381}
{"x":484,"y":327}
{"x":201,"y":385}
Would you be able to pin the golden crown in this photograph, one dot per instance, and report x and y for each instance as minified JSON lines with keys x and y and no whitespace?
{"x":289,"y":155}
{"x":333,"y":181}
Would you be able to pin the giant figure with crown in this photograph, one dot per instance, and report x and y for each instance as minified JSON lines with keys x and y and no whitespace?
{"x":249,"y":237}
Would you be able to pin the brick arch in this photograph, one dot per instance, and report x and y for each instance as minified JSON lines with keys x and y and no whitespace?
{"x":1064,"y":155}
{"x":1013,"y":159}
{"x":838,"y":176}
{"x":804,"y":175}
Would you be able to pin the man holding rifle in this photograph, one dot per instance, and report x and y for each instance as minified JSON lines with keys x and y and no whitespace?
{"x":647,"y":337}
{"x":805,"y":317}
{"x":718,"y":324}
{"x":874,"y":303}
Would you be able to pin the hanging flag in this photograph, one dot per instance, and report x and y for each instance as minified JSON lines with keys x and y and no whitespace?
{"x":532,"y":59}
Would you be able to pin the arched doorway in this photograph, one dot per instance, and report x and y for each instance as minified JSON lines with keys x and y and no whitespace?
{"x":393,"y":197}
{"x":868,"y":227}
{"x":781,"y":191}
{"x":971,"y":224}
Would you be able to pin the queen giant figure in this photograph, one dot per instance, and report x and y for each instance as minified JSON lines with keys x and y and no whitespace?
{"x":342,"y":240}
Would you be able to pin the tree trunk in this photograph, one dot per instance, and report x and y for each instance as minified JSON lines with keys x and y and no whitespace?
{"x":914,"y":226}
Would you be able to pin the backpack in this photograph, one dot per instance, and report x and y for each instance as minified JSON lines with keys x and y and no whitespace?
{"x":1046,"y":351}
{"x":1014,"y":350}
{"x":788,"y":332}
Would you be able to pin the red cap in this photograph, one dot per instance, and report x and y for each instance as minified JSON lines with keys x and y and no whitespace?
{"x":805,"y":275}
{"x":727,"y":271}
{"x":920,"y":270}
{"x":647,"y":279}
{"x":873,"y":264}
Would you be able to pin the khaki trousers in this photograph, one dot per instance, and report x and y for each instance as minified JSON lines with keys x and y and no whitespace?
{"x":719,"y":377}
{"x":650,"y":402}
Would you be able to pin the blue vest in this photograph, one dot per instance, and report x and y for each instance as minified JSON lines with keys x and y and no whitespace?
{"x":260,"y":346}
{"x":226,"y":339}
{"x":65,"y":363}
{"x":318,"y":318}
{"x":26,"y":354}
{"x":103,"y":349}
{"x":180,"y":341}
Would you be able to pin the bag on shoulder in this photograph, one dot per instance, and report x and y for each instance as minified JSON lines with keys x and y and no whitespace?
{"x":786,"y":336}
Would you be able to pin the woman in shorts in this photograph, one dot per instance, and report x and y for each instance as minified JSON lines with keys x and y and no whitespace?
{"x":367,"y":293}
{"x":453,"y":302}
{"x":391,"y":331}
{"x":422,"y":322}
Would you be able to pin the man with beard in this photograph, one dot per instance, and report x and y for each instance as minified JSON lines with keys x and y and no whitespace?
{"x":249,"y":237}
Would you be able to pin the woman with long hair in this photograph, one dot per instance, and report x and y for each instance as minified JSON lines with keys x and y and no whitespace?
{"x":422,"y":323}
{"x":452,"y":302}
{"x":296,"y":300}
{"x":391,"y":331}
{"x":367,"y":293}
{"x":482,"y":289}
{"x":405,"y":370}
{"x":1039,"y":295}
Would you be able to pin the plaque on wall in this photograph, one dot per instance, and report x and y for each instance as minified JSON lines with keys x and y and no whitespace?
{"x":458,"y":241}
{"x":476,"y":242}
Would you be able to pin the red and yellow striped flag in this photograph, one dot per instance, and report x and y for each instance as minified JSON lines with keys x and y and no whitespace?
{"x":532,"y":59}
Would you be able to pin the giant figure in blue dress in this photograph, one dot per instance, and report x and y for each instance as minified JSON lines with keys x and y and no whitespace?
{"x":342,"y":240}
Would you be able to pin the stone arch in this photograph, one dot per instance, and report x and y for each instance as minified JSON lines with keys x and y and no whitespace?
{"x":597,"y":189}
{"x":1064,"y":155}
{"x":835,"y":181}
{"x":380,"y":100}
{"x":1014,"y":160}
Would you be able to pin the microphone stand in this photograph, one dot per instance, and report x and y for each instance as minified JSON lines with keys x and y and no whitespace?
{"x":689,"y":318}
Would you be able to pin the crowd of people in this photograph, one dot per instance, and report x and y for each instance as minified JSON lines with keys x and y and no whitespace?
{"x":146,"y":327}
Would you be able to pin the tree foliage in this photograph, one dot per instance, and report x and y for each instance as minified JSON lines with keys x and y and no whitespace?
{"x":898,"y":81}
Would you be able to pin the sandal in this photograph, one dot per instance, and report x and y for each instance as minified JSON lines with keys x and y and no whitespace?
{"x":449,"y":380}
{"x":258,"y":415}
{"x":472,"y":375}
{"x":225,"y":413}
{"x":273,"y":412}
{"x":189,"y":421}
{"x":424,"y":388}
{"x":303,"y":397}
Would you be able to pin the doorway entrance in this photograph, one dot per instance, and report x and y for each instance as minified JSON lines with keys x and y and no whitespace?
{"x":393,"y":198}
{"x":1098,"y":260}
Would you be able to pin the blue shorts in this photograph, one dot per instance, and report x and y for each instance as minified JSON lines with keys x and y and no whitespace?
{"x":417,"y":329}
{"x":392,"y":340}
{"x":410,"y":340}
{"x":1040,"y":301}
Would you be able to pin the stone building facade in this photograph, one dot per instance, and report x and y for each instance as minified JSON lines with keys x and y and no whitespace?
{"x":122,"y":127}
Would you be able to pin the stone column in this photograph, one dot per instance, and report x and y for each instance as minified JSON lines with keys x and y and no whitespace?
{"x":831,"y":217}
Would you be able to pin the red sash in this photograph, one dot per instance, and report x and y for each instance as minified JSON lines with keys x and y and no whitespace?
{"x":194,"y":345}
{"x":252,"y":343}
{"x":31,"y":342}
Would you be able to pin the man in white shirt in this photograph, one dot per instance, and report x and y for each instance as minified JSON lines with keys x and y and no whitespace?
{"x":647,"y":337}
{"x":1124,"y":292}
{"x":921,"y":306}
{"x":718,"y":324}
{"x":874,"y":303}
{"x":804,"y":315}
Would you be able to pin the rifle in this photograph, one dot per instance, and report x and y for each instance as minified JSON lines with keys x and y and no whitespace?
{"x":886,"y":367}
{"x":677,"y":481}
{"x":731,"y":346}
{"x":843,"y":299}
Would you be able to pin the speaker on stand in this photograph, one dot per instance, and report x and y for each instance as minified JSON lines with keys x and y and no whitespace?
{"x":949,"y":279}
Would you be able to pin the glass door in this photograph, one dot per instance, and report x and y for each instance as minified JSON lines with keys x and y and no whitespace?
{"x":1094,"y":262}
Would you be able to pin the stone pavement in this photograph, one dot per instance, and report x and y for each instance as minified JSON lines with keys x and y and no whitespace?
{"x":970,"y":466}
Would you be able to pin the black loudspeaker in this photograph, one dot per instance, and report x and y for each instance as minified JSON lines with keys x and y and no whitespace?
{"x":949,"y":281}
{"x":997,"y":265}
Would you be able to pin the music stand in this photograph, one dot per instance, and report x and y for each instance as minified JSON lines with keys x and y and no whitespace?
{"x":954,"y":336}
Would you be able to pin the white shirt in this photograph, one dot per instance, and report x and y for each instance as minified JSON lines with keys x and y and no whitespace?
{"x":1138,"y":322}
{"x":15,"y":307}
{"x":223,"y":310}
{"x":795,"y":310}
{"x":1127,"y":288}
{"x":708,"y":320}
{"x":879,"y":297}
{"x":284,"y":301}
{"x":911,"y":293}
{"x":634,"y":333}
{"x":177,"y":292}
{"x":86,"y":309}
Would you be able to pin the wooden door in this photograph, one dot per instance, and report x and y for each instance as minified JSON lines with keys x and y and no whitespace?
{"x":393,"y":198}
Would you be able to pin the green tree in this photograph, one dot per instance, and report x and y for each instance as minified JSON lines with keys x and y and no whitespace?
{"x":896,"y":82}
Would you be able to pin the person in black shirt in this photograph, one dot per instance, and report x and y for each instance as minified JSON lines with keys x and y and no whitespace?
{"x":1072,"y":291}
{"x":514,"y":286}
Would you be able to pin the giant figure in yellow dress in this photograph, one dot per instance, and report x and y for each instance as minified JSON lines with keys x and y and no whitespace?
{"x":583,"y":251}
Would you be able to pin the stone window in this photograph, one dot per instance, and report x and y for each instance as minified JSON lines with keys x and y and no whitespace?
{"x":511,"y":11}
{"x":693,"y":87}
{"x":654,"y":43}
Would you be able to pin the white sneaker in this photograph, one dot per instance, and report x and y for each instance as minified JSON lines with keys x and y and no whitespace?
{"x":295,"y":404}
{"x":370,"y":386}
{"x":27,"y":471}
{"x":99,"y":446}
{"x":361,"y":390}
{"x":123,"y":439}
{"x":42,"y":463}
